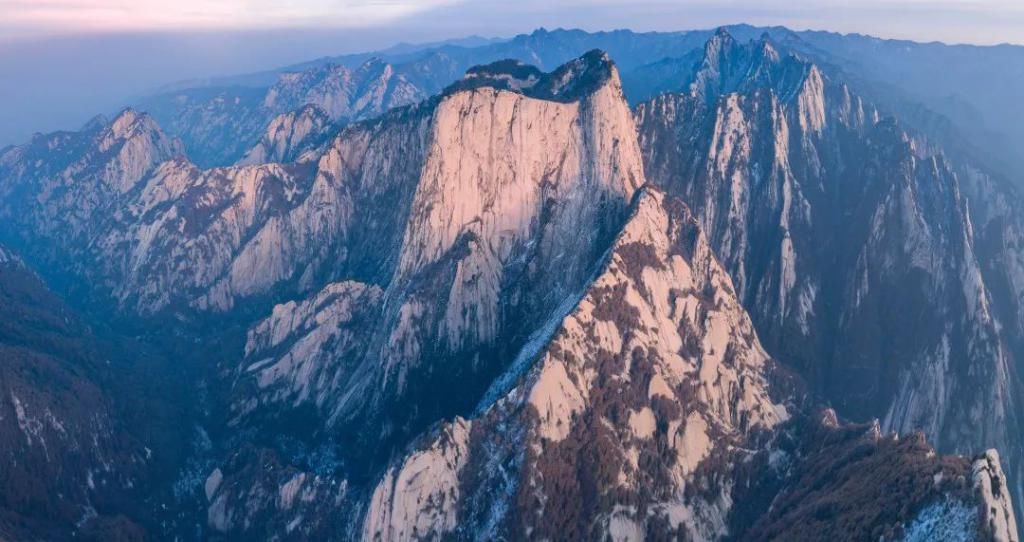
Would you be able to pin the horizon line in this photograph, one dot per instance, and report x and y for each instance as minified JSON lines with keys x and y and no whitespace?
{"x":27,"y":39}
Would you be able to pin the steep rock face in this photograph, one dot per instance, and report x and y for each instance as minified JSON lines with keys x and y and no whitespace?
{"x":220,"y":126}
{"x":650,"y":413}
{"x":183,"y":231}
{"x":304,"y":349}
{"x":999,"y":241}
{"x":515,"y":201}
{"x":184,"y":238}
{"x":288,"y":135}
{"x":343,"y":93}
{"x":996,"y":507}
{"x":396,"y":510}
{"x":656,"y":373}
{"x":58,"y":186}
{"x":511,"y":204}
{"x":832,"y":222}
{"x":70,"y":467}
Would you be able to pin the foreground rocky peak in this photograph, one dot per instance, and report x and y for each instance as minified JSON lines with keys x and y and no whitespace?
{"x":499,"y":218}
{"x":650,"y":411}
{"x":504,"y":213}
{"x":655,"y":358}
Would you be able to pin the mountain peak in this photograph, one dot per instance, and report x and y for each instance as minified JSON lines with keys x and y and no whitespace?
{"x":571,"y":81}
{"x":729,"y":66}
{"x":374,"y":61}
{"x":374,"y":65}
{"x":766,"y":49}
{"x":583,"y":75}
{"x":131,"y":123}
{"x":139,"y":144}
{"x":124,"y":121}
{"x":722,"y":40}
{"x":288,"y":135}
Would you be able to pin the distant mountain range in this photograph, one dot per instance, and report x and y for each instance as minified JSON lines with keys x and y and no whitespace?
{"x":962,"y":94}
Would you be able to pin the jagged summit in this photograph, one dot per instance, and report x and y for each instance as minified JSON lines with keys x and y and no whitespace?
{"x":131,"y":122}
{"x":289,"y":134}
{"x":569,"y":82}
{"x":730,"y":66}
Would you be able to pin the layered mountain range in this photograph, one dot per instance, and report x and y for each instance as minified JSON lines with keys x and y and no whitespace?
{"x":220,"y":125}
{"x":520,"y":308}
{"x":963,"y":95}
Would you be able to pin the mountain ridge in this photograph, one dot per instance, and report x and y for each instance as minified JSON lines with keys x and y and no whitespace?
{"x":446,"y":309}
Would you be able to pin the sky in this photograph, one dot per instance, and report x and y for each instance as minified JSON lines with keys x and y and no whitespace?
{"x":63,"y":61}
{"x":969,"y":21}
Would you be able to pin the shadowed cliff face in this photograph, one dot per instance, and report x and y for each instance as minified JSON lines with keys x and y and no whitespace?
{"x":851,"y":242}
{"x":70,"y":463}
